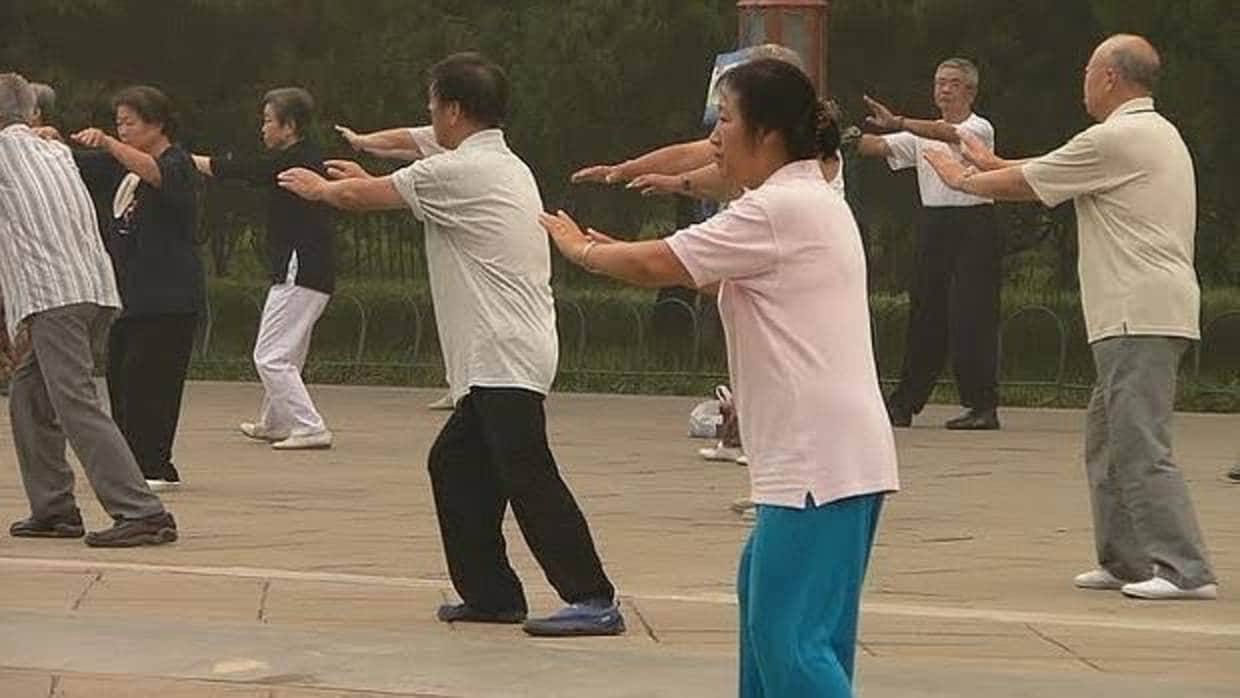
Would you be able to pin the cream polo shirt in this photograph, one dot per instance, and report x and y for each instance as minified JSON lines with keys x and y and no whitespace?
{"x":1131,"y":179}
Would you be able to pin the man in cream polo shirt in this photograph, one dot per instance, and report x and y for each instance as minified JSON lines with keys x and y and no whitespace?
{"x":1131,"y":179}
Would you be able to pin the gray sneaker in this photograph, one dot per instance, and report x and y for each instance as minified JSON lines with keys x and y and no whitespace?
{"x":66,"y":526}
{"x":129,"y":533}
{"x":1233,"y":475}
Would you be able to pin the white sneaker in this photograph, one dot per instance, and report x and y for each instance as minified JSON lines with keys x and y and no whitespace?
{"x":444,"y":403}
{"x":1159,"y":589}
{"x":163,"y":485}
{"x":304,"y":442}
{"x":1099,"y":580}
{"x":742,"y":460}
{"x":721,"y":453}
{"x":259,"y":432}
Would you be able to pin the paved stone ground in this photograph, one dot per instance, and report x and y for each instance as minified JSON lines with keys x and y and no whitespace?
{"x":317,"y":574}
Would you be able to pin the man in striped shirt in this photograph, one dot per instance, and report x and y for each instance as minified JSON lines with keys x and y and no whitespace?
{"x":57,"y":283}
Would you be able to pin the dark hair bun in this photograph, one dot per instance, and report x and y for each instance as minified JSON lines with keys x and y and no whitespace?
{"x":827,"y":128}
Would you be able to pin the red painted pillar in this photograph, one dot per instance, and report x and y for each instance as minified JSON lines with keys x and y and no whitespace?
{"x":800,"y":25}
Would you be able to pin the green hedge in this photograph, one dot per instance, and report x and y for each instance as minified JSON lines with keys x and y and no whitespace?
{"x":625,"y":340}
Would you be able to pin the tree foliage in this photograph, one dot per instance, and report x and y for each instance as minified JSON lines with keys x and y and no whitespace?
{"x":599,"y":80}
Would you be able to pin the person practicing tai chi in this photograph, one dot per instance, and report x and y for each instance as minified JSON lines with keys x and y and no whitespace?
{"x":490,"y":272}
{"x":302,"y":264}
{"x":58,"y":289}
{"x":44,"y":106}
{"x":1131,"y":179}
{"x":954,"y":294}
{"x":689,"y":168}
{"x":407,"y":144}
{"x":159,"y":274}
{"x":789,"y":269}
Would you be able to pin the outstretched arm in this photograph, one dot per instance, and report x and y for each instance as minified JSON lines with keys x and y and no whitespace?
{"x":352,"y":194}
{"x":1007,"y":184}
{"x":705,"y":183}
{"x":392,"y":143}
{"x":129,"y":157}
{"x":872,"y":146}
{"x":668,"y":160}
{"x":982,"y":157}
{"x":650,"y":263}
{"x":884,"y":118}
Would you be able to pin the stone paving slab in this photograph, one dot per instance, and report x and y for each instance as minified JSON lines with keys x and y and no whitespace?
{"x":324,"y":552}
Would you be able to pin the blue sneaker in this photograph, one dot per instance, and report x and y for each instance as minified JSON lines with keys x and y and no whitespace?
{"x":595,"y":617}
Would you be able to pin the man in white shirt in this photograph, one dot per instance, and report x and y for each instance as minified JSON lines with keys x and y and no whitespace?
{"x":1131,"y":179}
{"x":954,"y":295}
{"x":44,"y":104}
{"x":403,"y":144}
{"x":490,"y":271}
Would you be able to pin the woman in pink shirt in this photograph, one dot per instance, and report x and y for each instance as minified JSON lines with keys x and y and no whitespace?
{"x":787,"y":264}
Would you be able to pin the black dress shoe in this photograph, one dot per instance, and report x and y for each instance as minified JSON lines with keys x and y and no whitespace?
{"x":975,"y":420}
{"x":66,"y":526}
{"x":900,"y":416}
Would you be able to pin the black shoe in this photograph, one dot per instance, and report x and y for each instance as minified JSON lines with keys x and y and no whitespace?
{"x":1233,"y":475}
{"x":65,"y":526}
{"x":899,"y":415}
{"x":129,"y":533}
{"x":975,"y":420}
{"x":464,"y":613}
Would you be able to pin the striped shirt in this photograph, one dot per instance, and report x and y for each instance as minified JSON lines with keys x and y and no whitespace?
{"x":51,"y":254}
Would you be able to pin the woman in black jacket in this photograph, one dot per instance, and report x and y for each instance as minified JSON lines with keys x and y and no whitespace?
{"x":151,"y":241}
{"x":302,"y":265}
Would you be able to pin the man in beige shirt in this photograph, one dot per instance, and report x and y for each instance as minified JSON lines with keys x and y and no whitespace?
{"x":1131,"y":179}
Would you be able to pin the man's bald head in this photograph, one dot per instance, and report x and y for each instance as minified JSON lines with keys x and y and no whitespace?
{"x":1134,"y":60}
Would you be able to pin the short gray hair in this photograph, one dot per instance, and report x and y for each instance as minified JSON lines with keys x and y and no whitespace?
{"x":44,"y":98}
{"x":964,"y":65}
{"x":16,"y":100}
{"x":778,"y":52}
{"x":1140,"y":68}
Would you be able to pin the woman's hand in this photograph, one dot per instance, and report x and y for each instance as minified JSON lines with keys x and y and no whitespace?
{"x":48,"y":133}
{"x":657,"y":184}
{"x":601,"y":174}
{"x":92,"y":138}
{"x":568,"y":236}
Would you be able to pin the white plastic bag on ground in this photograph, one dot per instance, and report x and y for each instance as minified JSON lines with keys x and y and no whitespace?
{"x":708,"y":417}
{"x":705,"y":419}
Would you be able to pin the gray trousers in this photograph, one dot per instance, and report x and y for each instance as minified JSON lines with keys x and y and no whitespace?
{"x":53,"y":400}
{"x":1144,"y":522}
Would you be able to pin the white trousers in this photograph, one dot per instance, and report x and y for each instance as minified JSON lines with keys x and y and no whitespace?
{"x":279,"y":355}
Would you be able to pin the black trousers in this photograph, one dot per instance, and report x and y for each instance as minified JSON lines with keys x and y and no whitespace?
{"x":148,"y":357}
{"x":954,"y":303}
{"x":491,"y":453}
